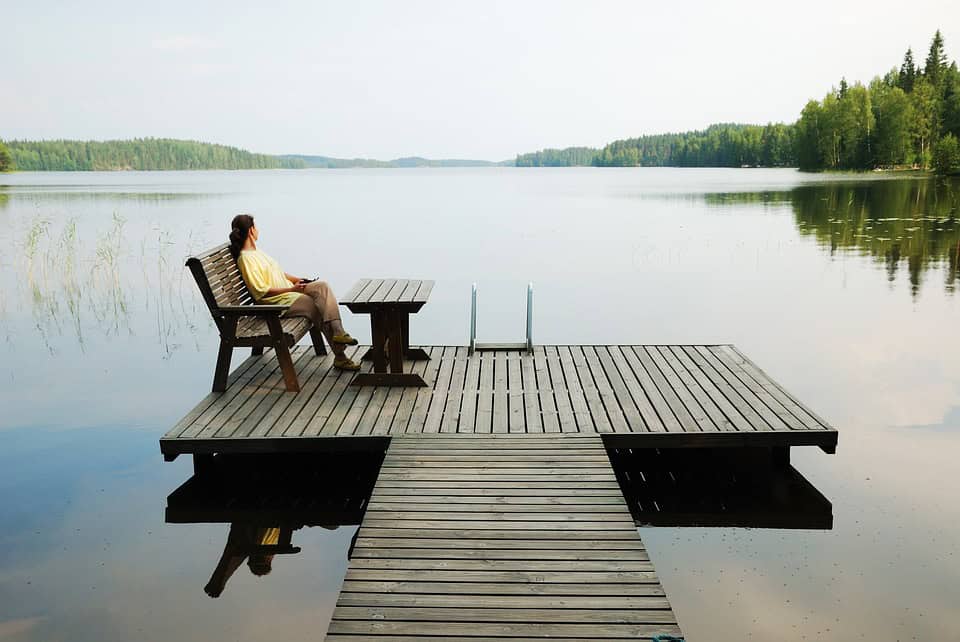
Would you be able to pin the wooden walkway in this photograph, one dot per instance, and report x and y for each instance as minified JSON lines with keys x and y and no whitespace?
{"x":637,"y":396}
{"x":485,"y":538}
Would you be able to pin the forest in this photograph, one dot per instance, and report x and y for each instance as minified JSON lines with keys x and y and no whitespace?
{"x":136,"y":154}
{"x":909,"y":118}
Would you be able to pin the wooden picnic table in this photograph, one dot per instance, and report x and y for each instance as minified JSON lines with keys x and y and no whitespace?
{"x":390,"y":302}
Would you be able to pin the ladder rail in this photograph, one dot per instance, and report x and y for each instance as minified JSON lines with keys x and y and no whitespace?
{"x":526,"y":345}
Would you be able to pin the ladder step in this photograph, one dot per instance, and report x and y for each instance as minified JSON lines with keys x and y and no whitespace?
{"x":498,"y":347}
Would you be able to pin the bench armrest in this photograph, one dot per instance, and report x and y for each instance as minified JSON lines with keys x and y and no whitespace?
{"x":252,"y":310}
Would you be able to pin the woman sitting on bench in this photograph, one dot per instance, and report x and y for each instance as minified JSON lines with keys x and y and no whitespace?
{"x":270,"y":284}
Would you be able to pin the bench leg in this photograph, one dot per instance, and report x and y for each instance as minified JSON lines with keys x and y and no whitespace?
{"x":283,"y":355}
{"x":316,"y":336}
{"x":223,"y":367}
{"x":256,"y":351}
{"x":286,"y":366}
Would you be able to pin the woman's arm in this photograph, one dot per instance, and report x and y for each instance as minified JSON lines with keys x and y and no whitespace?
{"x":297,"y":287}
{"x":292,"y":279}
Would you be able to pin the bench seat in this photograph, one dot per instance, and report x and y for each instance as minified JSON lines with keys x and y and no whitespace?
{"x":255,"y":329}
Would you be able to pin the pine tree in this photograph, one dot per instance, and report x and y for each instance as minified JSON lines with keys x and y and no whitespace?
{"x":936,"y":60}
{"x":908,"y":72}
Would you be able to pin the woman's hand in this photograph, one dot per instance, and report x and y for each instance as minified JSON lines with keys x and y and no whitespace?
{"x":298,"y":287}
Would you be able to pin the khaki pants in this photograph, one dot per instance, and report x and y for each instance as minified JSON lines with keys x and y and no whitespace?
{"x":319,"y":304}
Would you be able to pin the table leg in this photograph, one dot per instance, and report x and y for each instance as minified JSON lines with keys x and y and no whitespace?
{"x":397,"y":345}
{"x":378,"y":332}
{"x":388,"y":324}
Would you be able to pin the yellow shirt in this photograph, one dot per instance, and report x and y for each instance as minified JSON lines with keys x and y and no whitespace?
{"x":263,"y":273}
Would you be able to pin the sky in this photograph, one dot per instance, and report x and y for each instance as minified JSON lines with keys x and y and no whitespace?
{"x":484,"y":80}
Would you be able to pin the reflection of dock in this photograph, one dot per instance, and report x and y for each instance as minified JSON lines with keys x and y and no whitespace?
{"x":496,"y":512}
{"x":641,"y":396}
{"x":740,"y":487}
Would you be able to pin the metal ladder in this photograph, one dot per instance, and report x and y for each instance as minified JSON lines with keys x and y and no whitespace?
{"x":490,"y":347}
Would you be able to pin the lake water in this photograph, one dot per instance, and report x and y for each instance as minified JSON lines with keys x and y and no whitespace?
{"x":843,"y":288}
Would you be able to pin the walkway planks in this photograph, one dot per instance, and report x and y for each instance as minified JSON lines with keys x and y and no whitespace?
{"x":485,"y":537}
{"x":639,"y":396}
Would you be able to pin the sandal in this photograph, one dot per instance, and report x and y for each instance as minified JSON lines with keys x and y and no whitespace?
{"x":344,"y":339}
{"x":345,"y":363}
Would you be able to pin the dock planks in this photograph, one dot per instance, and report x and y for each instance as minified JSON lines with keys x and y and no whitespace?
{"x":639,"y":396}
{"x":492,"y":537}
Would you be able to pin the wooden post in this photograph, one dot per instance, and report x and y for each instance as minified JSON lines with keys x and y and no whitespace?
{"x":781,"y":456}
{"x":203,"y":464}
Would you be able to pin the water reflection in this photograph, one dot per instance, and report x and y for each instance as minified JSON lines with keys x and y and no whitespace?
{"x":911,"y":222}
{"x":740,"y":487}
{"x":95,"y":194}
{"x":266,"y":499}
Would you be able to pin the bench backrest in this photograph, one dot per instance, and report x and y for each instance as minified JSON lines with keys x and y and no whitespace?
{"x":219,"y":279}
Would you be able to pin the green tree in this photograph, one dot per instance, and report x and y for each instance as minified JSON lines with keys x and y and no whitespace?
{"x":894,"y":117}
{"x":936,"y":60}
{"x":908,"y":72}
{"x":855,"y":127}
{"x":925,"y":120}
{"x":808,"y":139}
{"x":946,"y":156}
{"x":950,"y":119}
{"x":6,"y":160}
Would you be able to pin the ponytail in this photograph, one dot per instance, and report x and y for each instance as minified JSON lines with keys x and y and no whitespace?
{"x":241,"y":225}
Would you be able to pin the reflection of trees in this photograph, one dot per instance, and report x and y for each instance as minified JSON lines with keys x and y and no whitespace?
{"x":896,"y":222}
{"x":893,"y":221}
{"x":72,"y":194}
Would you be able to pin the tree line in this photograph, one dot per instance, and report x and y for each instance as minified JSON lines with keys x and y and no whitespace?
{"x":908,"y":118}
{"x":135,"y":154}
{"x":721,"y":145}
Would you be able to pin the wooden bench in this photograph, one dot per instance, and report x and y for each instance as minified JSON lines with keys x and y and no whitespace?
{"x":243,"y":323}
{"x":389,"y":302}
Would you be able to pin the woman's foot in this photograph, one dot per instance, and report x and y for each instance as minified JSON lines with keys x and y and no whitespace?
{"x":343,"y":339}
{"x":345,"y":363}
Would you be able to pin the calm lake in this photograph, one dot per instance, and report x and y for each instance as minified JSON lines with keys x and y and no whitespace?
{"x":843,"y":288}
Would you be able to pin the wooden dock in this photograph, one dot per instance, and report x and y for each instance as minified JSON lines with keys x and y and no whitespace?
{"x":636,"y":396}
{"x":507,"y":537}
{"x":496,"y":513}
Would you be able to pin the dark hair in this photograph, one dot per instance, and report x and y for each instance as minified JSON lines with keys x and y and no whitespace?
{"x":260,"y":564}
{"x":238,"y":235}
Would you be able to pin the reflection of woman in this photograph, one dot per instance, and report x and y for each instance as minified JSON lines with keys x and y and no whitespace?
{"x":242,"y":542}
{"x":270,"y":284}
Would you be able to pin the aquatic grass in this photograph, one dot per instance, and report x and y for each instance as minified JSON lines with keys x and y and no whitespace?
{"x":71,"y":287}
